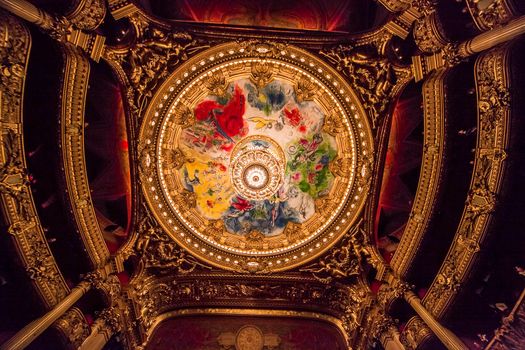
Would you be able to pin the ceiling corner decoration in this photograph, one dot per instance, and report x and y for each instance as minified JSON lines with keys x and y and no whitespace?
{"x":255,"y":156}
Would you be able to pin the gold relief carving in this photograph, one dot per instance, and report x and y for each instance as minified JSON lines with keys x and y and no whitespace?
{"x":293,"y":232}
{"x":147,"y":158}
{"x":157,"y":249}
{"x":216,"y":85}
{"x":391,"y":291}
{"x":490,"y":14}
{"x":429,"y":34}
{"x":332,"y":125}
{"x":262,"y":74}
{"x":262,"y":49}
{"x":185,"y":199}
{"x":305,"y":90}
{"x":493,"y":113}
{"x":493,"y":101}
{"x":184,"y":117}
{"x":396,"y":5}
{"x":153,"y":57}
{"x":111,"y":318}
{"x":340,"y":262}
{"x":74,"y":326}
{"x":176,"y":158}
{"x":88,"y":14}
{"x":254,"y":265}
{"x":425,"y":7}
{"x":372,"y":75}
{"x":215,"y":229}
{"x":341,"y":167}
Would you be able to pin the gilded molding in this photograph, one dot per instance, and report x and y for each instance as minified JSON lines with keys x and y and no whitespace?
{"x":431,"y":170}
{"x":493,"y":123}
{"x":74,"y":90}
{"x":74,"y":326}
{"x":491,"y":14}
{"x":15,"y":194}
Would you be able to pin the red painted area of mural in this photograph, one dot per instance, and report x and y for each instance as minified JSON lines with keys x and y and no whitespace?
{"x":402,"y":163}
{"x":305,"y":14}
{"x":208,"y":332}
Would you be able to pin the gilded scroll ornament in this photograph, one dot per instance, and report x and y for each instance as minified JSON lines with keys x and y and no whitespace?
{"x":156,"y":249}
{"x":216,"y":85}
{"x":371,"y":74}
{"x":261,"y":74}
{"x":153,"y":57}
{"x":340,"y":262}
{"x":305,"y":90}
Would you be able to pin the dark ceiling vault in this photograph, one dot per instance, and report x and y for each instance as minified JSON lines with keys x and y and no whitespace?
{"x":392,"y":131}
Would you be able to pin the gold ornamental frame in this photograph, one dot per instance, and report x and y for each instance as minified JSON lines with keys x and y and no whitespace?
{"x":173,"y":207}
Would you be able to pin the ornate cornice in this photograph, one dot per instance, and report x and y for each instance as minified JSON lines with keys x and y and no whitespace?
{"x":493,"y":95}
{"x":431,"y":171}
{"x":152,"y":296}
{"x":73,"y":101}
{"x":18,"y":206}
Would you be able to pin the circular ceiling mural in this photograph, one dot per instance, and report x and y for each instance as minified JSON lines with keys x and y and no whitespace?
{"x":255,"y":156}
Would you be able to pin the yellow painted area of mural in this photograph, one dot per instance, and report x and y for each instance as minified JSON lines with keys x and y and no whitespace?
{"x":211,"y":184}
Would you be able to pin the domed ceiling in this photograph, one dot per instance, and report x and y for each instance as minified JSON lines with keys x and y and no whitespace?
{"x":273,"y":174}
{"x":255,"y":156}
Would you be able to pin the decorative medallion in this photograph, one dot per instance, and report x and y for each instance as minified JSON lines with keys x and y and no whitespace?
{"x":249,"y":338}
{"x":262,"y":156}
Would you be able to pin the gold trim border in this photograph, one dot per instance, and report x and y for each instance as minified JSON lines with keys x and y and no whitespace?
{"x":431,"y":170}
{"x":73,"y":102}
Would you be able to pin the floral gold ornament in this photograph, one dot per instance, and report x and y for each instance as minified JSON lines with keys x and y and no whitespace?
{"x":243,"y":166}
